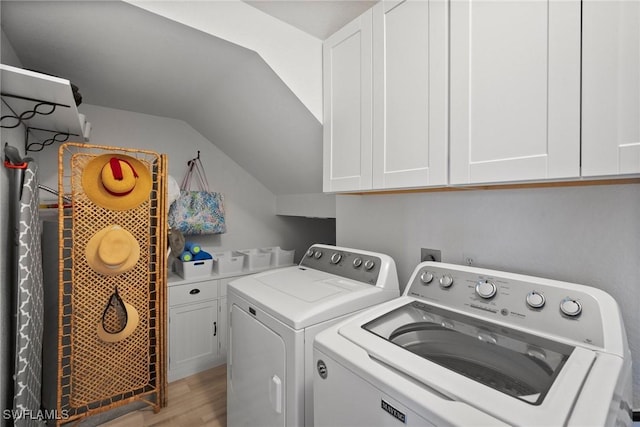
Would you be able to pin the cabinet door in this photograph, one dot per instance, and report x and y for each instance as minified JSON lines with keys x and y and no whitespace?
{"x":347,"y":107}
{"x":515,"y":90}
{"x":410,"y":66}
{"x":610,"y":87}
{"x":193,"y":336}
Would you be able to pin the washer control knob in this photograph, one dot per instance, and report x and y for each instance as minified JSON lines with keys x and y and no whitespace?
{"x":535,"y":299}
{"x":486,"y":289}
{"x":310,"y":252}
{"x":357,"y":262}
{"x":570,"y":307}
{"x":426,"y":277}
{"x":317,"y":255}
{"x":335,"y":258}
{"x":369,"y":264}
{"x":446,"y":281}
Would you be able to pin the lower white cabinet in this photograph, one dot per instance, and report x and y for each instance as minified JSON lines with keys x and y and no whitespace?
{"x":194,"y":328}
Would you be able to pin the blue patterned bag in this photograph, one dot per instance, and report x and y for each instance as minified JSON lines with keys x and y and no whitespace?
{"x":197,"y":212}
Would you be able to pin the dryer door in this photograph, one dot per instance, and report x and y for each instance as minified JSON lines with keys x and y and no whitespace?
{"x":256,"y":387}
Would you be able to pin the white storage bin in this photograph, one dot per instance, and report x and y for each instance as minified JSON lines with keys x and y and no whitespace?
{"x":192,"y":269}
{"x":279,"y":257}
{"x":255,"y":259}
{"x":227,"y":262}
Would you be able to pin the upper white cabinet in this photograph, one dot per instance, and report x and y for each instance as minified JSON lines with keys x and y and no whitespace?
{"x":515,"y":90}
{"x":385,"y":98}
{"x":610,"y":88}
{"x":347,"y":65}
{"x":410,"y":93}
{"x":437,"y":92}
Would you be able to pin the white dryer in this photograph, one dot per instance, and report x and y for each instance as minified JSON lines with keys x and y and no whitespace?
{"x":273,"y":319}
{"x":467,"y":346}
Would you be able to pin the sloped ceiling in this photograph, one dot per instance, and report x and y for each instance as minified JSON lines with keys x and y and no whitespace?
{"x":123,"y":57}
{"x":320,"y":18}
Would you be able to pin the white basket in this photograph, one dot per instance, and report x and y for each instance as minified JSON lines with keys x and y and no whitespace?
{"x":227,"y":262}
{"x":280,"y":257}
{"x":193,"y":269}
{"x":255,"y":259}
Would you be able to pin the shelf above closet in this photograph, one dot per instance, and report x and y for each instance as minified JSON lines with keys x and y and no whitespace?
{"x":44,"y":105}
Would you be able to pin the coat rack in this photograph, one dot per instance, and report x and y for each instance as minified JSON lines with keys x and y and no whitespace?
{"x":14,"y":120}
{"x":56,"y":116}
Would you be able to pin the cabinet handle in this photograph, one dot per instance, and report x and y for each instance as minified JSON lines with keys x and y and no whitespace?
{"x":215,"y":328}
{"x":194,"y":291}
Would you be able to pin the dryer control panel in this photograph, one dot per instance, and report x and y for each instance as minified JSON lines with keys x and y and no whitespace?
{"x":361,"y":266}
{"x":573,"y":311}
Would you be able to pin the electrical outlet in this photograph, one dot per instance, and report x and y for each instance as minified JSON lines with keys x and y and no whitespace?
{"x":430,"y":255}
{"x":469,"y":259}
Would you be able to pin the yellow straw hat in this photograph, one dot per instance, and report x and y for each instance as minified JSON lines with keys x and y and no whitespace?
{"x":119,"y":319}
{"x":116,"y":181}
{"x":112,"y":250}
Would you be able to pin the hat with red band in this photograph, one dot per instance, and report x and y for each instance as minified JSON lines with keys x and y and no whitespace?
{"x":116,"y":181}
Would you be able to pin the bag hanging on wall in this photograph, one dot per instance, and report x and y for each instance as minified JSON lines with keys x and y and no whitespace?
{"x":197,"y":212}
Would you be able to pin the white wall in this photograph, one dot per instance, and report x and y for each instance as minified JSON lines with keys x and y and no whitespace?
{"x":250,"y":207}
{"x":587,"y":235}
{"x":294,"y":55}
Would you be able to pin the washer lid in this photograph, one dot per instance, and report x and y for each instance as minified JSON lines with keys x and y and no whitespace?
{"x":518,"y":364}
{"x":554,"y":406}
{"x":300,"y":297}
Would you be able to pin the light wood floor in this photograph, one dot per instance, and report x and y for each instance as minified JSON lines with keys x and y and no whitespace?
{"x":198,"y":400}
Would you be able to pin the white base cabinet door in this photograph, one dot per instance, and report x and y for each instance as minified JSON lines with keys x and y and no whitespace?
{"x":515,"y":90}
{"x":193,"y":338}
{"x":347,"y":107}
{"x":610,"y":87}
{"x":410,"y":97}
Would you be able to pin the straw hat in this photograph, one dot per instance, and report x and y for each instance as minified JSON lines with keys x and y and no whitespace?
{"x":115,"y":181}
{"x":112,"y":250}
{"x":119,"y":317}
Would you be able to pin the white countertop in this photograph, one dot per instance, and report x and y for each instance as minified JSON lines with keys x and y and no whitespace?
{"x":173,"y":279}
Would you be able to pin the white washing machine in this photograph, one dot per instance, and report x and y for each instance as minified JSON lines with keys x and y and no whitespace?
{"x":467,"y":346}
{"x":273,"y":319}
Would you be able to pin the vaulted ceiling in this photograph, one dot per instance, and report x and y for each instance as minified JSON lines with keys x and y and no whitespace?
{"x":320,"y":18}
{"x":124,"y":57}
